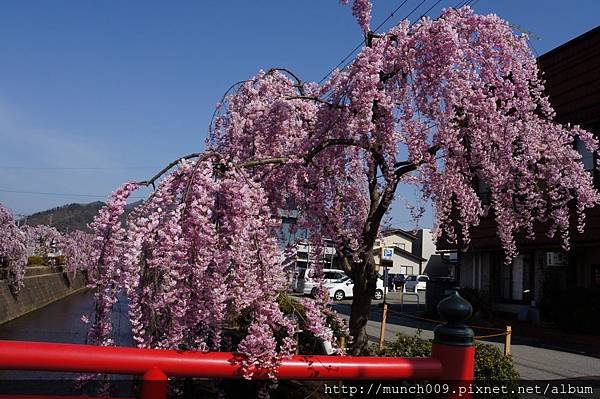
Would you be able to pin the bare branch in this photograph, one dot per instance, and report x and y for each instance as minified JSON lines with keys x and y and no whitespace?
{"x":299,"y":85}
{"x":308,"y":157}
{"x":200,"y":156}
{"x":264,"y":161}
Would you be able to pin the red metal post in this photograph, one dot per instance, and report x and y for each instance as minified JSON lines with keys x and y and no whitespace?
{"x":154,"y":384}
{"x":453,"y":346}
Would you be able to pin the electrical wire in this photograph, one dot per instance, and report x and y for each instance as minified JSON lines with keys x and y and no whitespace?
{"x":59,"y":194}
{"x":76,"y":167}
{"x":361,"y":42}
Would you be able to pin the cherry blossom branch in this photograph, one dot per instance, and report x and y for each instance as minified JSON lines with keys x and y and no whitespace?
{"x":316,"y":99}
{"x":307,"y":157}
{"x":200,"y":156}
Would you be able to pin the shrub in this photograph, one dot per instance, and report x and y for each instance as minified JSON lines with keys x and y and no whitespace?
{"x":491,"y":365}
{"x":407,"y":346}
{"x":36,"y":260}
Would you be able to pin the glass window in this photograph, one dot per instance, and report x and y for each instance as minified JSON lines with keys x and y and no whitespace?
{"x":423,"y":278}
{"x":483,"y":192}
{"x":331,"y":276}
{"x":587,"y":157}
{"x":302,"y":264}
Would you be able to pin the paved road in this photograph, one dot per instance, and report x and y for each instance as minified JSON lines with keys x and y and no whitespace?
{"x":532,"y":361}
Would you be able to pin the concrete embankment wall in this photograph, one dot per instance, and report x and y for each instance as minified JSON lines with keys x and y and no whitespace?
{"x":43,"y":285}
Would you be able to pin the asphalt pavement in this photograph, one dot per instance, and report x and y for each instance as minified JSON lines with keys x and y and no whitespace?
{"x":533,"y":359}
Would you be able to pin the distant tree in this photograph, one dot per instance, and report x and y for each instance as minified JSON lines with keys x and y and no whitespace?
{"x":77,"y":249}
{"x":13,"y":255}
{"x":437,"y":105}
{"x":42,"y":240}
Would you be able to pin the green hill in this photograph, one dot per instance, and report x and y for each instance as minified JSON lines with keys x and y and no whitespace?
{"x":67,"y":217}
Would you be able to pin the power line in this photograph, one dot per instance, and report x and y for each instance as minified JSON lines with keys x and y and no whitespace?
{"x":76,"y":167}
{"x":429,"y":9}
{"x":361,"y":42}
{"x":345,"y":59}
{"x":390,"y":16}
{"x":60,"y":194}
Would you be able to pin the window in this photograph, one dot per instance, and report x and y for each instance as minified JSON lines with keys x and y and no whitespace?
{"x":400,"y":245}
{"x":588,"y":159}
{"x":483,"y":191}
{"x":423,"y":279}
{"x":411,"y":278}
{"x":302,"y":264}
{"x":330,"y":276}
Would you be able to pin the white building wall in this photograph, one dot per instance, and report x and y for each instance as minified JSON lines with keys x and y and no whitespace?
{"x":428,"y":248}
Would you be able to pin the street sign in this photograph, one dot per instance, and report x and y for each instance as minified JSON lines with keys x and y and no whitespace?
{"x":388,"y":253}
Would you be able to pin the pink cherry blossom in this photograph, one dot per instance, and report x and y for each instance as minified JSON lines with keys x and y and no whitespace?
{"x":434,"y":106}
{"x":13,"y":253}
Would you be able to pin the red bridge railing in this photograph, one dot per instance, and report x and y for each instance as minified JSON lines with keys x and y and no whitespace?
{"x":452,"y":360}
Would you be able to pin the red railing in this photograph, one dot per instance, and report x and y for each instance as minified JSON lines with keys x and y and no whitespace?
{"x":447,"y":363}
{"x":452,"y":360}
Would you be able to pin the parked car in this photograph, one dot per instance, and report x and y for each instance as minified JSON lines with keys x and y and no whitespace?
{"x":344,"y":288}
{"x":307,"y":283}
{"x":397,"y":281}
{"x":416,"y":283}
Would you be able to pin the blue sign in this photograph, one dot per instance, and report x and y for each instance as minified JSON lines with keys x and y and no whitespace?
{"x":388,"y":253}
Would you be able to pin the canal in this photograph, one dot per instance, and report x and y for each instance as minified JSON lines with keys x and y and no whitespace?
{"x":61,"y":322}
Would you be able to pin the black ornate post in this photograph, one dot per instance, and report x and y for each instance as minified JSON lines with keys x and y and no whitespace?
{"x":453,"y":344}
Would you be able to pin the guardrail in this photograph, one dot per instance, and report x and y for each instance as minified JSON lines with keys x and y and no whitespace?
{"x":452,"y":360}
{"x":411,"y":294}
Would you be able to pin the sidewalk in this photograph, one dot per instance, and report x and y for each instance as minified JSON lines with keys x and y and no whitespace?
{"x":534,"y":356}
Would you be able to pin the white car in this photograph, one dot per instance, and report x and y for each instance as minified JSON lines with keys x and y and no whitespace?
{"x":307,"y":283}
{"x":343,"y":288}
{"x":416,"y":283}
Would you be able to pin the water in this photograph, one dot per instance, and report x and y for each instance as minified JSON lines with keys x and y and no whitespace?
{"x":60,"y":322}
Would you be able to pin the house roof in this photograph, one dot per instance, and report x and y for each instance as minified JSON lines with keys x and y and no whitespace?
{"x":408,"y":254}
{"x":405,"y":233}
{"x":402,"y":251}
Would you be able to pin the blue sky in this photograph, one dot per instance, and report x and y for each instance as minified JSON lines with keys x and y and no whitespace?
{"x":93,"y":93}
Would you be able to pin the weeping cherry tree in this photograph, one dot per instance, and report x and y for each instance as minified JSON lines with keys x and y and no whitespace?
{"x":437,"y":106}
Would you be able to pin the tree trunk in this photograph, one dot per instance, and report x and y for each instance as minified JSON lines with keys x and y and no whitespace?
{"x":365,"y":282}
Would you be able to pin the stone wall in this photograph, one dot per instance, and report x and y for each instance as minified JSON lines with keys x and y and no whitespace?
{"x":43,"y":285}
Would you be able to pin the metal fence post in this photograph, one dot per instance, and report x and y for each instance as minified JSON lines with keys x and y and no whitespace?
{"x":507,"y":339}
{"x":382,"y":328}
{"x":453,"y":346}
{"x":154,"y":384}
